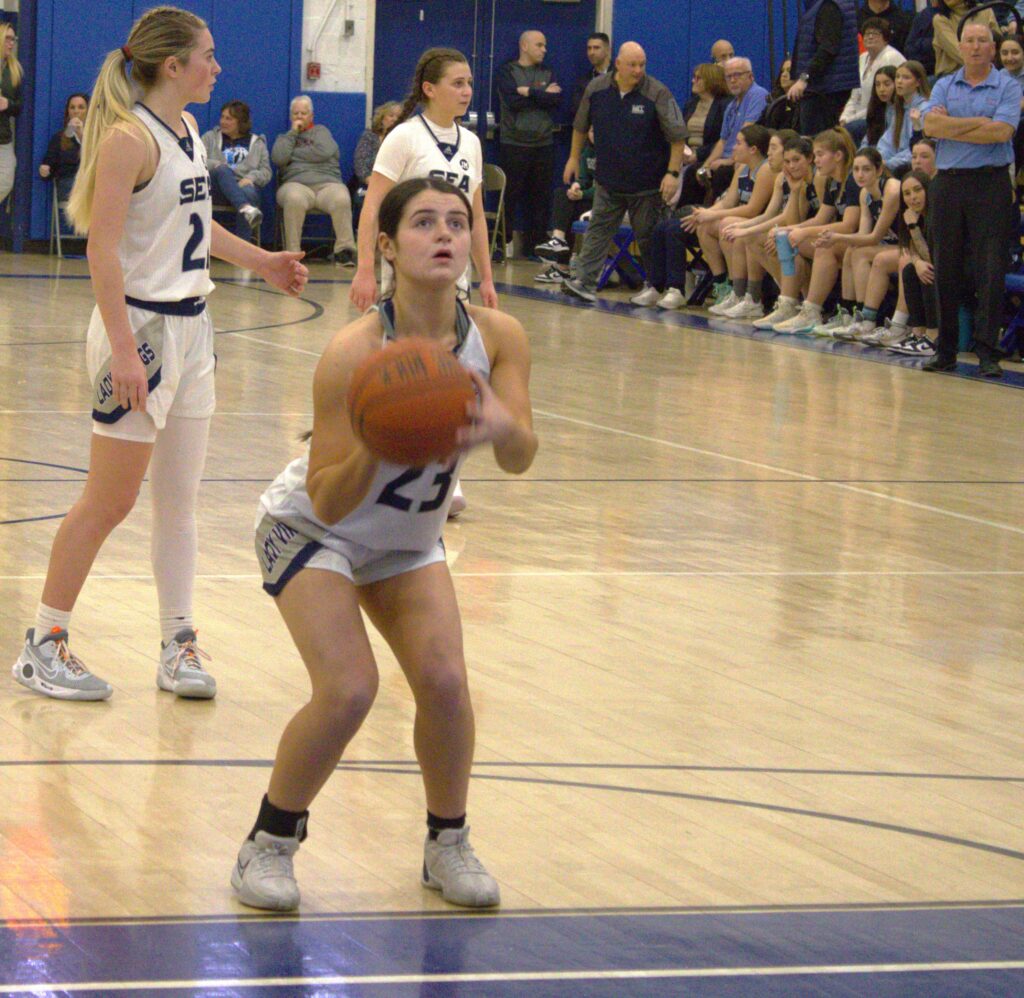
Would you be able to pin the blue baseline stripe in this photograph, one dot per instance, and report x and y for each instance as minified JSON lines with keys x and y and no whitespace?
{"x":273,"y":948}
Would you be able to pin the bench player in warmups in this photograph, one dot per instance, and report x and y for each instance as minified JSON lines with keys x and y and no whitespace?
{"x":142,"y":194}
{"x":340,"y":530}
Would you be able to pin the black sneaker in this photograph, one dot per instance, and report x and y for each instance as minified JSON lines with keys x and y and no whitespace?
{"x":939,"y":364}
{"x":555,"y":250}
{"x":990,"y":369}
{"x":551,"y":275}
{"x":346,"y":257}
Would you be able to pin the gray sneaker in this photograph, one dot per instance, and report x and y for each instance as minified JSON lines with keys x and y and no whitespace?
{"x":451,"y":867}
{"x":181,"y":672}
{"x":50,"y":668}
{"x":577,"y":289}
{"x":264,"y":876}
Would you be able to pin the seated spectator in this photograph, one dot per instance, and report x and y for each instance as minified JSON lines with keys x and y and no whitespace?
{"x":919,"y":45}
{"x":781,"y":111}
{"x":879,"y":105}
{"x":570,"y":202}
{"x":877,"y":53}
{"x":1011,"y":57}
{"x":62,"y":154}
{"x":896,"y":18}
{"x":239,"y":165}
{"x":307,"y":159}
{"x":922,"y":156}
{"x":904,"y":116}
{"x":384,"y":119}
{"x":704,"y":112}
{"x":745,"y":237}
{"x":722,"y":51}
{"x":838,"y":197}
{"x":948,"y":15}
{"x":747,"y":196}
{"x":746,"y":107}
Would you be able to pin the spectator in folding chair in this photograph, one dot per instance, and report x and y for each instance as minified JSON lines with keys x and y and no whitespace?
{"x":570,"y":203}
{"x":239,"y":163}
{"x":639,"y":139}
{"x":60,"y":163}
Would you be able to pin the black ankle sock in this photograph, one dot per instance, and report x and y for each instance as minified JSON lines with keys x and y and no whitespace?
{"x":720,"y":278}
{"x":284,"y":824}
{"x":437,"y":825}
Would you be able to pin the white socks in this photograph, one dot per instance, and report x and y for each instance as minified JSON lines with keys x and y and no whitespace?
{"x":47,"y":619}
{"x":174,"y":473}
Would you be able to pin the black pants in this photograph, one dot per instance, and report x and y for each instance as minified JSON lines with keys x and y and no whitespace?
{"x":566,"y":212}
{"x":971,"y":208}
{"x":921,"y":301}
{"x":818,"y":112}
{"x":528,"y":172}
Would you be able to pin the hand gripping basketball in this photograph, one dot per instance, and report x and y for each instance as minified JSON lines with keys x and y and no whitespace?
{"x":408,"y":401}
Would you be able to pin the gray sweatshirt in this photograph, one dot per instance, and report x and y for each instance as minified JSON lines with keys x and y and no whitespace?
{"x":309,"y":157}
{"x":255,"y":165}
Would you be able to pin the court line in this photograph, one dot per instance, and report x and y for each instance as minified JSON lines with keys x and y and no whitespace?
{"x":557,"y":574}
{"x":369,"y":765}
{"x":783,"y":809}
{"x":654,"y":973}
{"x":981,"y":521}
{"x":515,"y":914}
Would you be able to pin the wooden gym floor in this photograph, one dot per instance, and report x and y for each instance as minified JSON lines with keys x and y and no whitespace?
{"x":745,"y":647}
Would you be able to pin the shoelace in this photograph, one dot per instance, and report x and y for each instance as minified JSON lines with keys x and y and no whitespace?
{"x":462,"y":859}
{"x":70,"y":660}
{"x":273,"y":859}
{"x":191,"y":653}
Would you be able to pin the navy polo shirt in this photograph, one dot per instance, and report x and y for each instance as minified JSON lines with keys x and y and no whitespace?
{"x":632,"y":132}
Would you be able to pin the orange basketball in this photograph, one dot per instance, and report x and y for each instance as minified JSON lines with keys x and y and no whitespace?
{"x":407,"y":401}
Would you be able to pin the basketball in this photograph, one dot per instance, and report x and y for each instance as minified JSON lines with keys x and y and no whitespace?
{"x":407,"y":401}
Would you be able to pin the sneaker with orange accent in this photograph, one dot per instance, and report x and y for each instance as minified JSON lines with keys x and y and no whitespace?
{"x":181,"y":670}
{"x":50,"y":668}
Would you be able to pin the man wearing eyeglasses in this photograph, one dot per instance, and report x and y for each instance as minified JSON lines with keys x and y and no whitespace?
{"x":825,"y":62}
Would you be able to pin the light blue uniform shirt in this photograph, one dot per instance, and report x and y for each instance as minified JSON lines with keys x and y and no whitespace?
{"x":895,"y":149}
{"x":997,"y":97}
{"x":738,"y":112}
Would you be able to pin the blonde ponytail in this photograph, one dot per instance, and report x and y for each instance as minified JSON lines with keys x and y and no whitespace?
{"x":159,"y":34}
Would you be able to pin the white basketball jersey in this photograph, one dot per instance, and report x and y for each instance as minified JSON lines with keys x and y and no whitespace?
{"x":418,"y":148}
{"x":165,"y":247}
{"x":404,"y":508}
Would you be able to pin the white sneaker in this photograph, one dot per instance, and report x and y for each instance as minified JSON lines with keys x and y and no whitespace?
{"x":846,"y":331}
{"x":785,"y":309}
{"x":458,"y":501}
{"x":914,"y":346}
{"x":720,"y":308}
{"x":51,"y":668}
{"x":181,"y":672}
{"x":264,"y":876}
{"x":673,"y":298}
{"x":803,"y":322}
{"x":451,"y":867}
{"x":746,"y":308}
{"x":889,"y":334}
{"x":839,"y":321}
{"x":251,"y":214}
{"x":648,"y":297}
{"x":862,"y":330}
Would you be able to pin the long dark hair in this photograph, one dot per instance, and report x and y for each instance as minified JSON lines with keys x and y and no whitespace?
{"x":65,"y":142}
{"x":876,"y":109}
{"x":901,"y":228}
{"x":429,"y":69}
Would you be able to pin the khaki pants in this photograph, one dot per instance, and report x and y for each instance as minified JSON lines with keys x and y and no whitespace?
{"x":7,"y":166}
{"x":298,"y":199}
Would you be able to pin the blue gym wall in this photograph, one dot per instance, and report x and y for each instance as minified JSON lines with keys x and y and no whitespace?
{"x":259,"y":44}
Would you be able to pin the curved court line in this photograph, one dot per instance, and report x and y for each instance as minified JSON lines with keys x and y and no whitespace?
{"x":406,"y":769}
